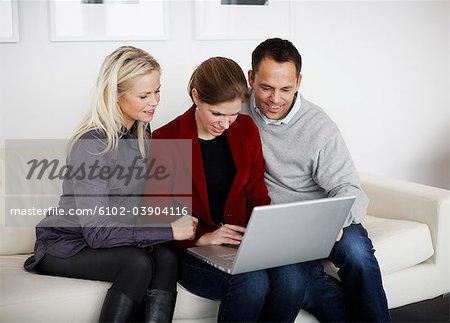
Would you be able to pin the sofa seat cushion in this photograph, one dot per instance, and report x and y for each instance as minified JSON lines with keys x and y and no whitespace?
{"x":30,"y":296}
{"x":399,"y":244}
{"x":190,"y":306}
{"x":36,"y":298}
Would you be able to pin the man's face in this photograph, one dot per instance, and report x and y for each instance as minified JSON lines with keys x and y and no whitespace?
{"x":274,"y":86}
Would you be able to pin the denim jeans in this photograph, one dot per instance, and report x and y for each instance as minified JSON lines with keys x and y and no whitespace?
{"x":365,"y":299}
{"x":324,"y":297}
{"x":271,"y":295}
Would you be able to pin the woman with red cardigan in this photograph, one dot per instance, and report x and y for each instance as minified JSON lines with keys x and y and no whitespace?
{"x":227,"y":170}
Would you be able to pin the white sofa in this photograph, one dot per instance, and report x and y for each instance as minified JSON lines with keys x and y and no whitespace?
{"x":408,"y":223}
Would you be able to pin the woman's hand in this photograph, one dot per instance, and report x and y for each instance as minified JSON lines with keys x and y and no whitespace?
{"x":226,"y":234}
{"x":184,"y":228}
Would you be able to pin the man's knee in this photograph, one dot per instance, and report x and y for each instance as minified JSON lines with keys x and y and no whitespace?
{"x":355,"y":247}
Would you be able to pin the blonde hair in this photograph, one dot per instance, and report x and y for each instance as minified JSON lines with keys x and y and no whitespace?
{"x":117,"y":74}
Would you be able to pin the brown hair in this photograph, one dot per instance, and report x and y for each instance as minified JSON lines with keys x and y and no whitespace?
{"x":217,"y":80}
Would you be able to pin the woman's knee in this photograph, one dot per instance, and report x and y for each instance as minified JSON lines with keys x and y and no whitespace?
{"x":253,"y":286}
{"x":135,"y":260}
{"x":165,"y":256}
{"x":135,"y":271}
{"x":292,"y":279}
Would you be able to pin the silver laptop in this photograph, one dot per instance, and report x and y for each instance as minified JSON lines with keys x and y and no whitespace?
{"x":282,"y":234}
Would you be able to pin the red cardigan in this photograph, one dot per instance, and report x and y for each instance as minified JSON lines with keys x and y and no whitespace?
{"x":248,"y":189}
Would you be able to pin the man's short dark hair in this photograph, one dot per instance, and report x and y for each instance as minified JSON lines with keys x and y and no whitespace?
{"x":280,"y":50}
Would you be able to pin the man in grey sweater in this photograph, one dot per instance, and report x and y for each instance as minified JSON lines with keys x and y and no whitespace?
{"x":306,"y":158}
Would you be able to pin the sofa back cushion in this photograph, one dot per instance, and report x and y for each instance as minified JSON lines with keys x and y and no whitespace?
{"x":17,"y":233}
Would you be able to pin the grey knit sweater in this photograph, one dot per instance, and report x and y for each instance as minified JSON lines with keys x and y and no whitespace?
{"x":307,"y":159}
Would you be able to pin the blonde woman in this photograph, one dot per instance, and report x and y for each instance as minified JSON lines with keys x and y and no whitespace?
{"x":96,"y":235}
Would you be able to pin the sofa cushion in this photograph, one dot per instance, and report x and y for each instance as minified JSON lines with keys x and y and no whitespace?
{"x":17,"y":233}
{"x":39,"y":298}
{"x":13,"y":240}
{"x":28,"y":295}
{"x":399,"y":244}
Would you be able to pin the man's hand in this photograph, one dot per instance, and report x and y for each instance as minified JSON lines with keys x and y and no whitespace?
{"x":226,"y":234}
{"x":339,"y":236}
{"x":184,"y":228}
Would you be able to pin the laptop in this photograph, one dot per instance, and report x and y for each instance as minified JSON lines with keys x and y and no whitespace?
{"x":281,"y":234}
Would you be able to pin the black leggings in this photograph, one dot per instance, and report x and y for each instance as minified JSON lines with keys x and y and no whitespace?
{"x":132,"y":270}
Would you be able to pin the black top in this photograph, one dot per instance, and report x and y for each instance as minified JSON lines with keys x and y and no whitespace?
{"x":219,"y":170}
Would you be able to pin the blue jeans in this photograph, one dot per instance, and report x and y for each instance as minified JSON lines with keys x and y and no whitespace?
{"x":271,"y":295}
{"x":365,"y":299}
{"x":324,"y":297}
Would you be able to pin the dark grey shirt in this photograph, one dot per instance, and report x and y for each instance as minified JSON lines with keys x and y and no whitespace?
{"x":100,"y":203}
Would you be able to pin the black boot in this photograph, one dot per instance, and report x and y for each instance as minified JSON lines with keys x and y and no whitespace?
{"x":117,"y":307}
{"x":160,"y":305}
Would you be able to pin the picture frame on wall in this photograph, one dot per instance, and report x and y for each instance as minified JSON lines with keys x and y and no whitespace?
{"x":242,"y":19}
{"x":108,"y":20}
{"x":9,"y":21}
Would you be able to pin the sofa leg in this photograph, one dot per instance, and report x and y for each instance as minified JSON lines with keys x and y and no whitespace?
{"x":117,"y":307}
{"x":160,"y":305}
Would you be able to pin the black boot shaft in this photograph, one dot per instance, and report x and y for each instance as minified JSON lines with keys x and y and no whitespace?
{"x":160,"y":305}
{"x":117,"y":307}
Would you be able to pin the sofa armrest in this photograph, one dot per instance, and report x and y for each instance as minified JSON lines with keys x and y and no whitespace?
{"x":398,"y":199}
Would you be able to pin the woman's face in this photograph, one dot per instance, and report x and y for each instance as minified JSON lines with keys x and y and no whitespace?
{"x":213,"y":120}
{"x":139,"y":102}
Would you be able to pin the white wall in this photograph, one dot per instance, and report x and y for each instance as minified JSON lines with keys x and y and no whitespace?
{"x":380,"y":69}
